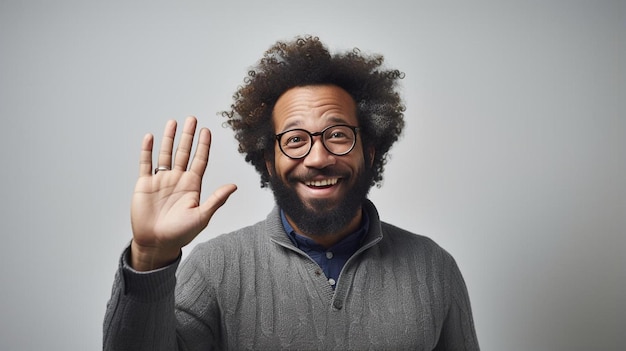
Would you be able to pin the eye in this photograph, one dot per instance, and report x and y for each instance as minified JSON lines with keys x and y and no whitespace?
{"x":293,"y":140}
{"x":337,"y":134}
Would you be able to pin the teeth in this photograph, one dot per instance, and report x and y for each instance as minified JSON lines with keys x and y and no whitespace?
{"x":324,"y":182}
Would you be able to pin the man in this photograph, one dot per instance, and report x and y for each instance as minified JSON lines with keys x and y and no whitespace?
{"x":322,"y":271}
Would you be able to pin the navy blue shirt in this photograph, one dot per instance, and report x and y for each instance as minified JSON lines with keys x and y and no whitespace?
{"x":333,"y":259}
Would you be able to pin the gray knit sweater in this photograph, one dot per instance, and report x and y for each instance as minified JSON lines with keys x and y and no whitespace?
{"x":253,"y":289}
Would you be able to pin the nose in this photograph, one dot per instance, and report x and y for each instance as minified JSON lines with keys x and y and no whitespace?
{"x":319,"y":157}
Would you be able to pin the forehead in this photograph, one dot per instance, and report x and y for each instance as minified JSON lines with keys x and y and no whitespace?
{"x":314,"y":106}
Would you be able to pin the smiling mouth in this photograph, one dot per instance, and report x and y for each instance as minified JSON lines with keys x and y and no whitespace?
{"x":323,"y":183}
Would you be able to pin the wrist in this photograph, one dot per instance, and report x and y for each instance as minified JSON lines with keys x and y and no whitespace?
{"x":144,"y":259}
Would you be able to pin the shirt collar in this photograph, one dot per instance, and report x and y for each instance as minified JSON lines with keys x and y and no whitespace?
{"x":349,"y":243}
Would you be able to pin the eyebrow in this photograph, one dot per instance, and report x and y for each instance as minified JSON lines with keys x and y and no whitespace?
{"x":298,"y":122}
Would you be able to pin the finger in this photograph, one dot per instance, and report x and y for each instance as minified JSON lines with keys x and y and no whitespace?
{"x":201,"y":157}
{"x":167,"y":144}
{"x":184,"y":147}
{"x":145,"y":158}
{"x":216,"y":200}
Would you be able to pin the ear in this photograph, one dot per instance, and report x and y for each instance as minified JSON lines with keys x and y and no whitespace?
{"x":269,"y":165}
{"x":270,"y":168}
{"x":371,"y":152}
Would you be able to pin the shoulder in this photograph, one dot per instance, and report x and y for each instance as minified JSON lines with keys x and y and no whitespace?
{"x":400,"y":244}
{"x":401,"y":239}
{"x":233,"y":242}
{"x":428,"y":259}
{"x":405,"y":247}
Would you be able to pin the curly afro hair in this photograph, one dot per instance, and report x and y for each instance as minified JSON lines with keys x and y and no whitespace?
{"x":306,"y":61}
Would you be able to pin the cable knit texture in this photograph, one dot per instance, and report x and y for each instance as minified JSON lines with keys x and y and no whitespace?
{"x":252,"y":289}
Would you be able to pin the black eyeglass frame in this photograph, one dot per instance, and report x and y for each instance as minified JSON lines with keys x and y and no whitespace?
{"x":354,"y":130}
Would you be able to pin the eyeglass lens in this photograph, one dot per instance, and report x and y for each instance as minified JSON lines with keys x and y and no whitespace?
{"x":338,"y":140}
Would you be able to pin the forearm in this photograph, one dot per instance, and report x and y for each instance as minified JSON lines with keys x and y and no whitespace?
{"x":140,"y":314}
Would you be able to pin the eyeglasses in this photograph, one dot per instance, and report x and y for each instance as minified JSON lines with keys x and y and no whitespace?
{"x":297,"y":143}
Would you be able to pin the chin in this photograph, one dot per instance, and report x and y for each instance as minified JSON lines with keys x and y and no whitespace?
{"x":320,"y":216}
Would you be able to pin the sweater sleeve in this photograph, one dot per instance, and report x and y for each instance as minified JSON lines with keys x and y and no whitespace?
{"x":140,"y":314}
{"x":458,"y":331}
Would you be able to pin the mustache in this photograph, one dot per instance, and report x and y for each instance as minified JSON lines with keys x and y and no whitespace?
{"x":313,"y":173}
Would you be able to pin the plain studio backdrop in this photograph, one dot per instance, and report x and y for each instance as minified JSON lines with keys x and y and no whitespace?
{"x":513,"y":158}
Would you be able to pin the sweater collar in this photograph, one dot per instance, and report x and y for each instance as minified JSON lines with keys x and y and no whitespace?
{"x":277,"y":233}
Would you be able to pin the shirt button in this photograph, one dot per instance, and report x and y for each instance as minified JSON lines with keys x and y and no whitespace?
{"x":329,"y":255}
{"x":331,"y":281}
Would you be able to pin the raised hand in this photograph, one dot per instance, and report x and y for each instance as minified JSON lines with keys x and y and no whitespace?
{"x":166,"y":212}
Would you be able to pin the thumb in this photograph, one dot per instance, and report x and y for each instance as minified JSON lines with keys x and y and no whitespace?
{"x":216,"y":200}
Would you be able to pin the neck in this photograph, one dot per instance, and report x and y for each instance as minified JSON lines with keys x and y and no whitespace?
{"x":329,"y":240}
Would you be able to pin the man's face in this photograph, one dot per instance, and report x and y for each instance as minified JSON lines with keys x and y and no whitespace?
{"x":321,"y":192}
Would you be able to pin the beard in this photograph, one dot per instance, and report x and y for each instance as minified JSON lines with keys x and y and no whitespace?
{"x":321,"y":217}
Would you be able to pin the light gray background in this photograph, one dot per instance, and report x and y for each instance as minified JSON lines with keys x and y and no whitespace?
{"x":513,"y":158}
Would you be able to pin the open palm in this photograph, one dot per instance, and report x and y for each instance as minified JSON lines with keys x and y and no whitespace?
{"x":166,"y":212}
